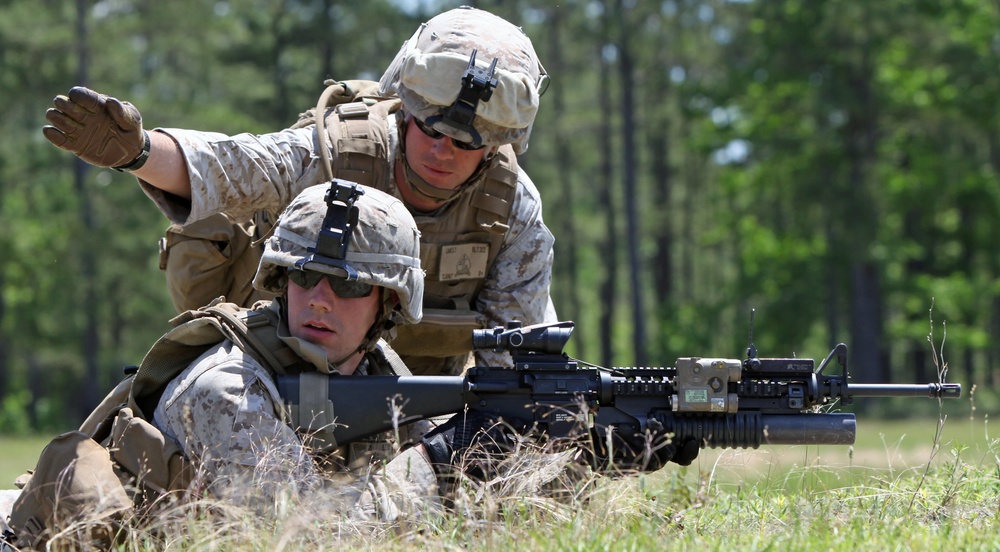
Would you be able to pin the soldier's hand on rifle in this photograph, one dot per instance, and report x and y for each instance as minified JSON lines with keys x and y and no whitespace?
{"x":472,"y":441}
{"x":646,"y":452}
{"x":684,"y":453}
{"x":99,"y":129}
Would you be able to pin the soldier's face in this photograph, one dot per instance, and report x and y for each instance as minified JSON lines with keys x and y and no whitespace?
{"x":437,"y":160}
{"x":338,"y":325}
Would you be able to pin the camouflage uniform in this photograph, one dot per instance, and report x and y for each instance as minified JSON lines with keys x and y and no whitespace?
{"x":225,"y":412}
{"x":219,"y":423}
{"x":242,"y":175}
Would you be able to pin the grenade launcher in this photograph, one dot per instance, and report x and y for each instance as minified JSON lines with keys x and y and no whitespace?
{"x":720,"y":402}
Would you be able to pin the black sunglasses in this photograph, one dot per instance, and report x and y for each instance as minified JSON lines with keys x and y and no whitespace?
{"x":345,"y":289}
{"x":437,"y":135}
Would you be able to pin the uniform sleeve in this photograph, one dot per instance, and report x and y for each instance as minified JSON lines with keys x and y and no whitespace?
{"x":222,"y":411}
{"x":517,"y":286}
{"x":239,"y":175}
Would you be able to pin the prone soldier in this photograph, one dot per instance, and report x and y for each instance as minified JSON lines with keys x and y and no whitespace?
{"x":343,"y":264}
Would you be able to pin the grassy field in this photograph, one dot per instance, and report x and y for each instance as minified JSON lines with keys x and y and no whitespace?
{"x":893,"y":490}
{"x":18,"y":454}
{"x":881,"y":444}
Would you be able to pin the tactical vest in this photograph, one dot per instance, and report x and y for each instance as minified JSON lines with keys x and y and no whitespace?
{"x":458,"y":245}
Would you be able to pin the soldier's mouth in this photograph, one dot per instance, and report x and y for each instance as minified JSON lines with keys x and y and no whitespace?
{"x":436,"y":171}
{"x":317,"y":327}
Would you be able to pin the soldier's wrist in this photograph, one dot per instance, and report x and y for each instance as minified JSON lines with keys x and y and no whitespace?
{"x":438,"y":448}
{"x":140,"y":159}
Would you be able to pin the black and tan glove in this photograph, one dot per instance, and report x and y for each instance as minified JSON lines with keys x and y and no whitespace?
{"x":650,"y":452}
{"x":99,"y":129}
{"x":473,"y":442}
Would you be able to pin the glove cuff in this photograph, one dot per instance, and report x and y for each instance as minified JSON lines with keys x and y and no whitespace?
{"x":439,"y":448}
{"x":140,"y":160}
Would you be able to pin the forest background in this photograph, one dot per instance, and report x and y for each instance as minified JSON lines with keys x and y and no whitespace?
{"x":830,"y":164}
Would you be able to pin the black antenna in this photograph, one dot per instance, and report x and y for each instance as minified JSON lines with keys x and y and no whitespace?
{"x":751,"y":348}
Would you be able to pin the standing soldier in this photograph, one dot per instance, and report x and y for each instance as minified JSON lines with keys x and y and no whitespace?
{"x":453,"y":110}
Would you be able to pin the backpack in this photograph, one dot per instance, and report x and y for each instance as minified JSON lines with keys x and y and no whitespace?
{"x":217,"y":256}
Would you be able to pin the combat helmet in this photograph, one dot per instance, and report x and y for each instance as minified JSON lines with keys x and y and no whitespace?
{"x":471,"y":75}
{"x":361,"y":234}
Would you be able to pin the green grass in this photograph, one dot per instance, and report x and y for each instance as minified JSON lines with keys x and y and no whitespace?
{"x":18,"y":454}
{"x":893,"y":490}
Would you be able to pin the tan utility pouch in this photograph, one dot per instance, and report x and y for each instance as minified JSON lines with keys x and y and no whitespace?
{"x":155,"y":462}
{"x":82,"y":490}
{"x":74,"y":493}
{"x":212,"y":257}
{"x":441,"y":333}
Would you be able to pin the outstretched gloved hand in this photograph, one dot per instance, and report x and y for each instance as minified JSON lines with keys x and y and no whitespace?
{"x":99,"y":129}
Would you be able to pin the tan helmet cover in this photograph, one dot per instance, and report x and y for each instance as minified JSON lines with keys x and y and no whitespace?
{"x":384,"y":249}
{"x":427,"y":74}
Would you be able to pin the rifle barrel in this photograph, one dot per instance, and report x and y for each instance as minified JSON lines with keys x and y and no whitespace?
{"x":932,"y":390}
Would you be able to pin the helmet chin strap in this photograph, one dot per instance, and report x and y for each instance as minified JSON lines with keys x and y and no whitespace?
{"x":440,"y":196}
{"x":383,"y":322}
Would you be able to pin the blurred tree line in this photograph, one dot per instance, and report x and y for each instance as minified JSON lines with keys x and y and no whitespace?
{"x":831,"y":164}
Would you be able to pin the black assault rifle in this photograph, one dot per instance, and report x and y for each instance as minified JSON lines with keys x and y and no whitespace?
{"x":721,"y":402}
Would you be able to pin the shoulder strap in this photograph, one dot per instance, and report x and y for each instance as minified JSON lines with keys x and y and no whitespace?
{"x":340,"y":92}
{"x":359,"y":138}
{"x":392,"y":359}
{"x":354,"y":120}
{"x":494,"y":199}
{"x":253,"y":331}
{"x":196,"y":331}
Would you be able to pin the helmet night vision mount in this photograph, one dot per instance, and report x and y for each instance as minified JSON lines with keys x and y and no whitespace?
{"x":338,"y":225}
{"x":477,"y":85}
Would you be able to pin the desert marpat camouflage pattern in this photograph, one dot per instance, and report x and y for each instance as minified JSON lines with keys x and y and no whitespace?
{"x":426,"y":69}
{"x":242,"y":174}
{"x":225,"y":412}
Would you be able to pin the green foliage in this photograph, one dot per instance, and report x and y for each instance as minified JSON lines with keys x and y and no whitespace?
{"x":832,"y":165}
{"x":12,"y":414}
